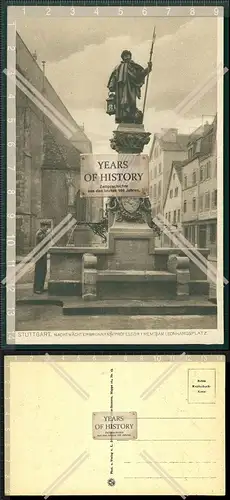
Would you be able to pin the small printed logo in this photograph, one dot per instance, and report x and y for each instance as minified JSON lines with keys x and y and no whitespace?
{"x":111,"y":482}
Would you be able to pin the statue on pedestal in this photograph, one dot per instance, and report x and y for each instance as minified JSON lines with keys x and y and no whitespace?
{"x":125,"y":84}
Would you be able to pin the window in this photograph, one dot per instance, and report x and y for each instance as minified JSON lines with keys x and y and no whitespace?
{"x":194,"y":204}
{"x":192,"y":236}
{"x":205,"y":171}
{"x":174,"y":217}
{"x":201,"y":174}
{"x":190,"y":152}
{"x":185,"y":181}
{"x":213,"y":233}
{"x":207,"y":201}
{"x":194,"y":177}
{"x":198,"y":145}
{"x":171,"y":193}
{"x":169,"y":219}
{"x":176,"y":192}
{"x":185,"y":206}
{"x":159,"y":168}
{"x":214,"y":198}
{"x":178,"y":215}
{"x":201,"y":203}
{"x":174,"y":176}
{"x":159,"y":188}
{"x":166,"y":215}
{"x":208,"y":170}
{"x":154,"y":191}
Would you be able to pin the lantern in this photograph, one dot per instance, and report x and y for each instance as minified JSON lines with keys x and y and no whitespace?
{"x":111,"y":104}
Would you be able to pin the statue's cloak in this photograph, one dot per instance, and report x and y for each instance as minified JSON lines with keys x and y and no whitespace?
{"x":126,"y":81}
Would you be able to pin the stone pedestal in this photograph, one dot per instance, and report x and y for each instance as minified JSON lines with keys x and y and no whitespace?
{"x":129,"y":138}
{"x":132,"y":215}
{"x":133,"y":246}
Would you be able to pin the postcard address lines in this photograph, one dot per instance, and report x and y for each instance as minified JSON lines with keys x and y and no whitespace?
{"x":116,"y":11}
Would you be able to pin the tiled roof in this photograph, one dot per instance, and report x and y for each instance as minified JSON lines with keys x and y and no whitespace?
{"x":179,"y":145}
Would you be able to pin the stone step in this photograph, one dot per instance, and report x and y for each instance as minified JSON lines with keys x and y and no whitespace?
{"x":118,"y":275}
{"x":188,"y":306}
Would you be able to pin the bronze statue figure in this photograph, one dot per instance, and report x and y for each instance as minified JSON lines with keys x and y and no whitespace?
{"x":124,"y":86}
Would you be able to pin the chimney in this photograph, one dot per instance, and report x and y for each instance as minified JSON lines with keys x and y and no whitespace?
{"x":206,"y":126}
{"x":169,"y":134}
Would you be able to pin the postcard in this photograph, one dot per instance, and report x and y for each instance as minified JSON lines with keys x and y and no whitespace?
{"x":115,"y":175}
{"x":82,"y":425}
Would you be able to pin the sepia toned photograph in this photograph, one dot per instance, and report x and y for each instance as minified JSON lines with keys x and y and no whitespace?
{"x":115,"y":184}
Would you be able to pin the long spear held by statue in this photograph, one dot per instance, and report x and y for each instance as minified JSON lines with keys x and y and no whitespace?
{"x":150,"y":60}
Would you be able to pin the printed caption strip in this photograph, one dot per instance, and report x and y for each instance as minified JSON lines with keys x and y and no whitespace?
{"x":60,"y":122}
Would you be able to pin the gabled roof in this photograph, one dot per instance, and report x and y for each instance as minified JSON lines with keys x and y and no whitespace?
{"x":204,"y":142}
{"x":178,"y":166}
{"x":179,"y":145}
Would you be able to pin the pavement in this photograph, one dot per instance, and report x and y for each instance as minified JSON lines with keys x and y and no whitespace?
{"x":45,"y":315}
{"x":46,"y":319}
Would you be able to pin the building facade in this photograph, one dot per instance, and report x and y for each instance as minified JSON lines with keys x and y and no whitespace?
{"x":167,"y":147}
{"x":47,"y":163}
{"x":199,"y":198}
{"x":173,"y":201}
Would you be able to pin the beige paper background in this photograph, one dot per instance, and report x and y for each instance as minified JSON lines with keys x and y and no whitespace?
{"x":49,"y":425}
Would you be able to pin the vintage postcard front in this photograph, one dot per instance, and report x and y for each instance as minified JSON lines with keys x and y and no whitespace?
{"x":114,"y":162}
{"x":115,"y":425}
